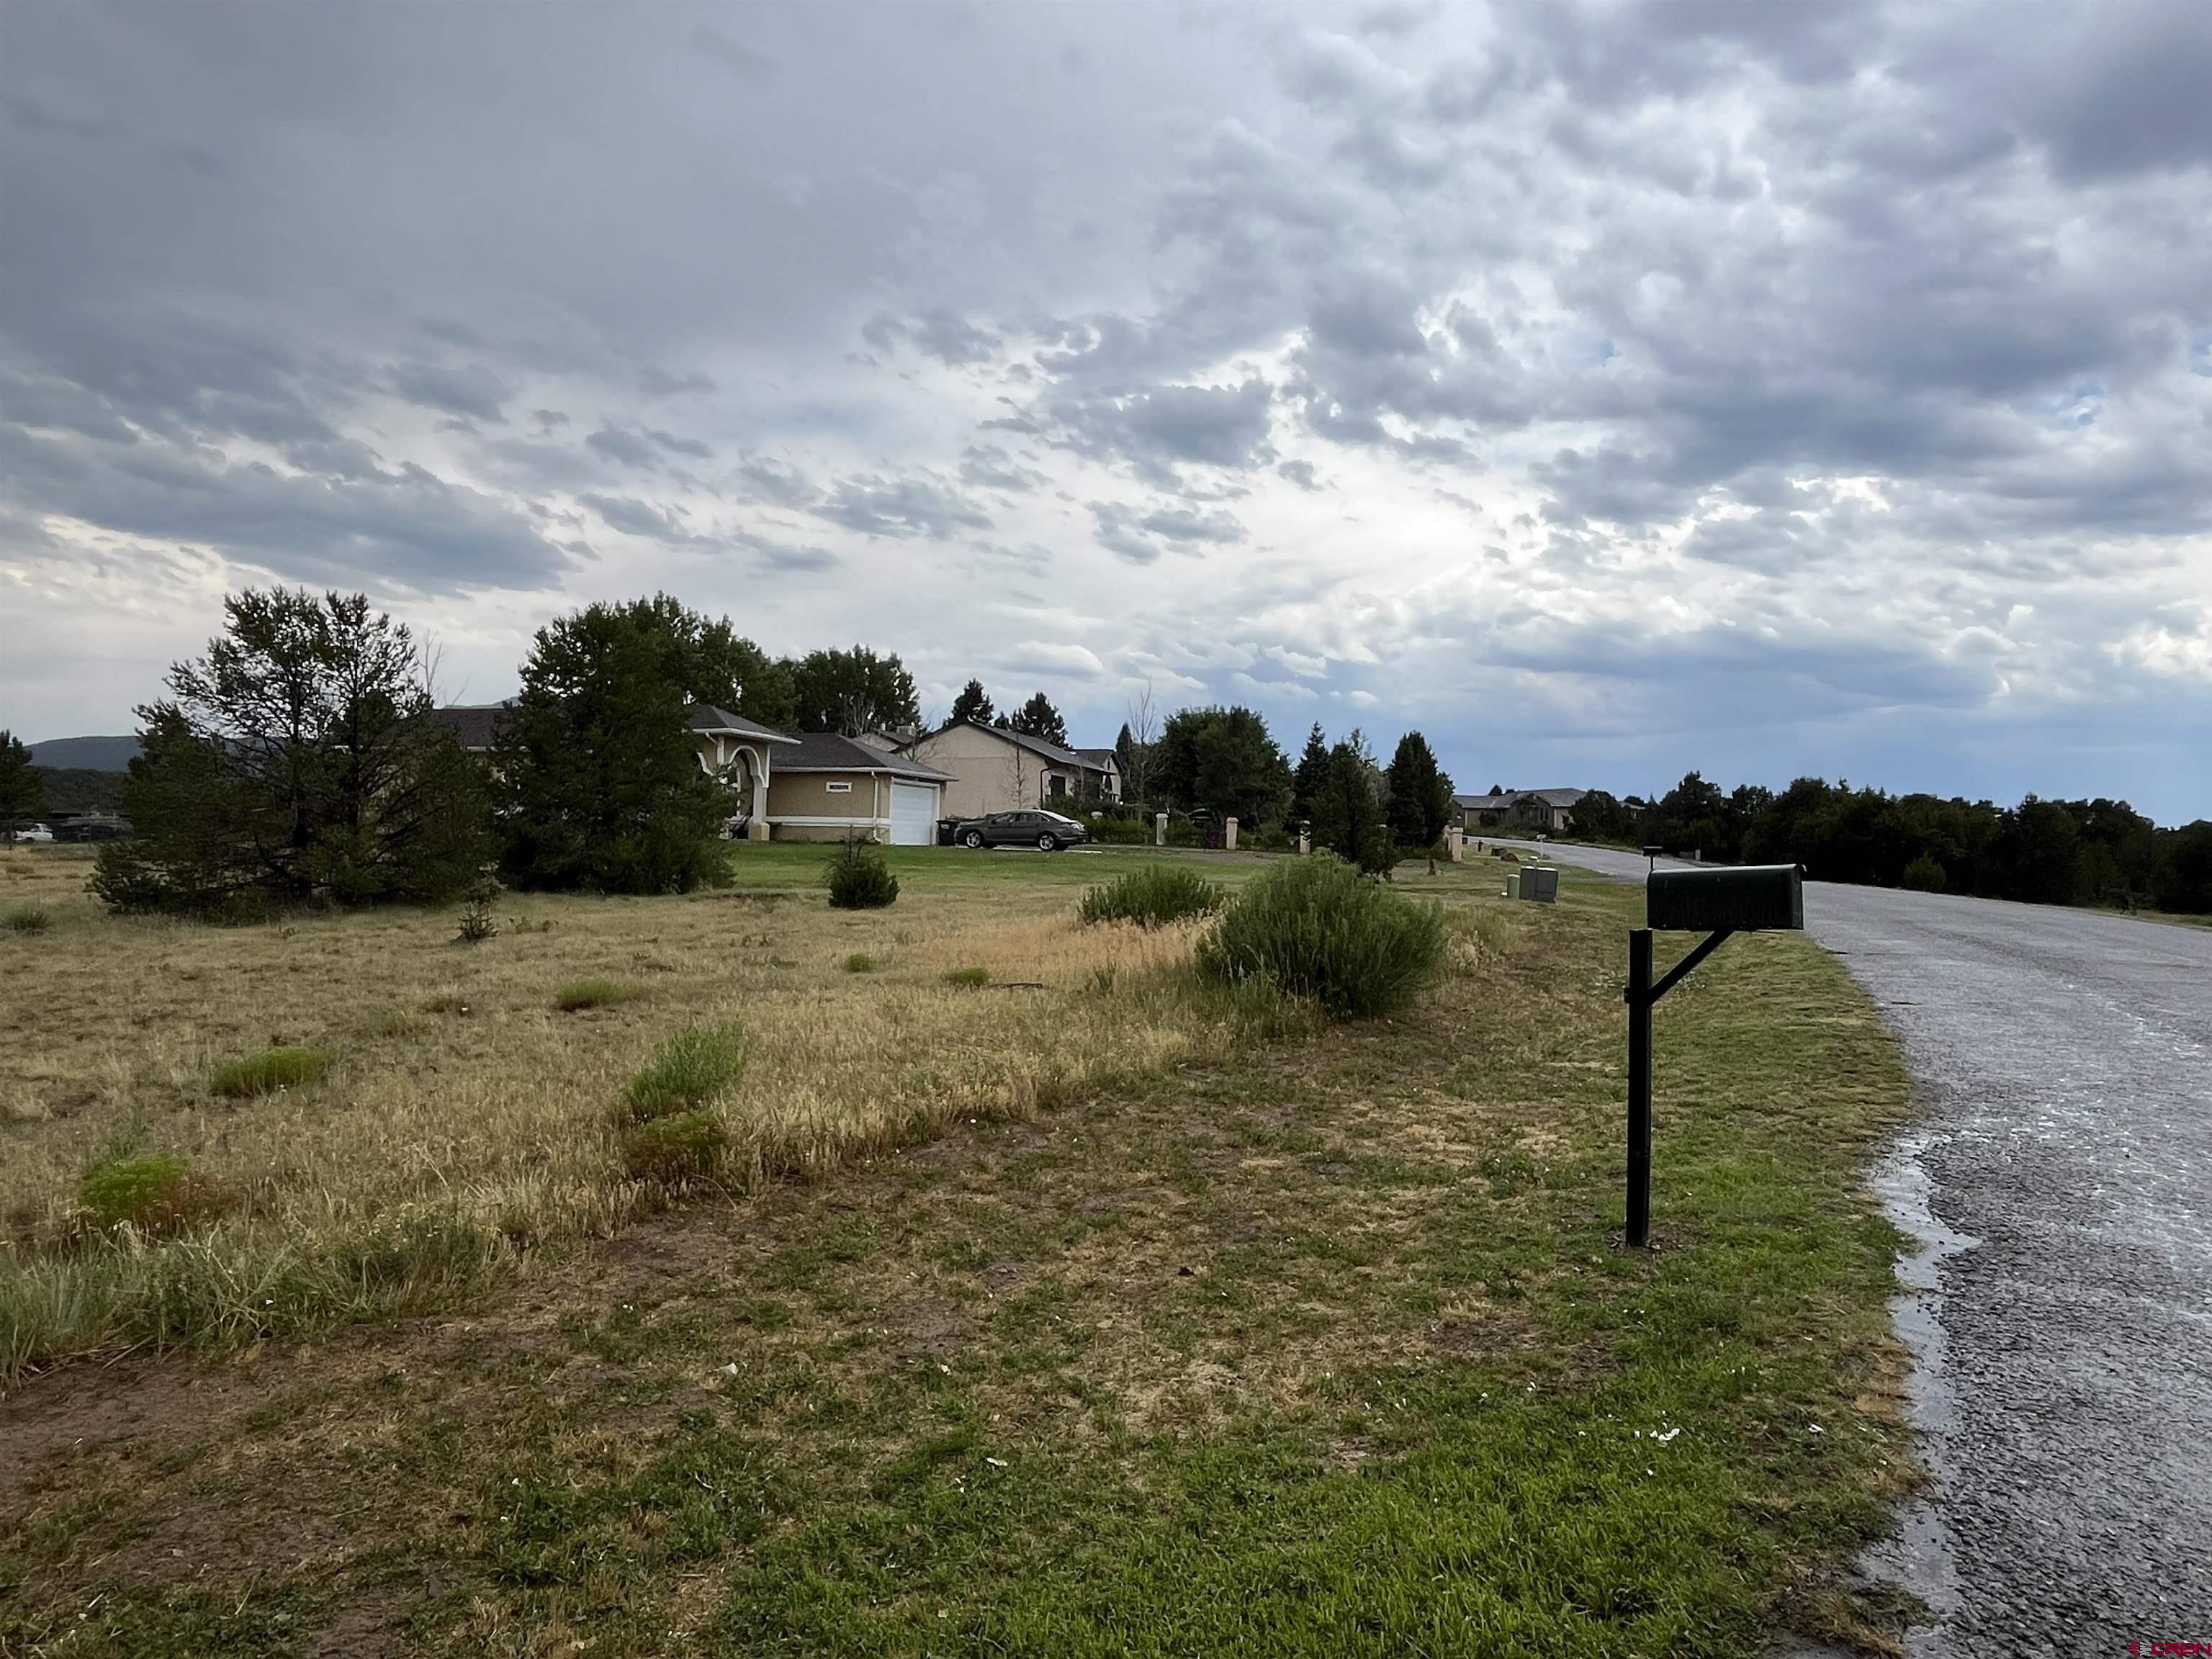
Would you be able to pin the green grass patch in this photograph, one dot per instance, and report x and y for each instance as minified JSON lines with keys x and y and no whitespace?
{"x":1153,"y":896}
{"x":860,"y":963}
{"x":154,"y":1192}
{"x":675,"y":1150}
{"x":688,"y":1071}
{"x":291,"y":1065}
{"x":973,"y":978}
{"x":28,"y":919}
{"x":580,"y":994}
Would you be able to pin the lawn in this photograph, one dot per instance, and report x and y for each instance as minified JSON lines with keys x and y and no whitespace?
{"x":1202,"y":1336}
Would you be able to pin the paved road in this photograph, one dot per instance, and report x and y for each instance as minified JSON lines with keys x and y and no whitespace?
{"x":2059,"y":1172}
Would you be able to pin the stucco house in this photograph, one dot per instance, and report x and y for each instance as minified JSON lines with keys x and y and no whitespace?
{"x":1542,"y":811}
{"x":825,"y":788}
{"x":995,"y":770}
{"x":812,"y":785}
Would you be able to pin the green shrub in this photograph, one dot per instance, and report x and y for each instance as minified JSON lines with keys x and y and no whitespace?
{"x":688,"y":1071}
{"x":970,"y":977}
{"x":859,"y":879}
{"x":860,"y":963}
{"x":284,"y":1067}
{"x":675,"y":1149}
{"x":1924,"y":875}
{"x":155,"y":1192}
{"x":1153,"y":895}
{"x":578,"y":994}
{"x":30,"y":919}
{"x":477,"y":923}
{"x":1120,"y":832}
{"x":1315,"y":928}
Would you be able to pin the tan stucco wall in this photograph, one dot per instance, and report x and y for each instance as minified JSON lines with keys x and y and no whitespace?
{"x":865,"y":811}
{"x":985,"y":769}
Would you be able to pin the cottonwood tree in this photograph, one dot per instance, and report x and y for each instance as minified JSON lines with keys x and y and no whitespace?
{"x":22,"y":793}
{"x":599,"y":784}
{"x":1224,"y":759}
{"x":299,"y":760}
{"x":852,"y":692}
{"x":1135,"y":749}
{"x":1421,"y":793}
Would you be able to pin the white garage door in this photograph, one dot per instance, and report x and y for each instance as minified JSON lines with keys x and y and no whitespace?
{"x":914,"y":814}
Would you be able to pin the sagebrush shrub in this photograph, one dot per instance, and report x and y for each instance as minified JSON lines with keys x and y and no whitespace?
{"x":970,"y":977}
{"x":578,"y":994}
{"x":1315,"y":928}
{"x":688,"y":1071}
{"x":154,"y":1192}
{"x":1153,"y":895}
{"x":675,"y":1150}
{"x":859,"y":879}
{"x":30,"y":919}
{"x":860,"y":963}
{"x":285,"y":1067}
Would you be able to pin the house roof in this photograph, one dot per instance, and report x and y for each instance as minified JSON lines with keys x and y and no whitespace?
{"x":826,"y":751}
{"x":1505,"y":798}
{"x":1100,"y":759}
{"x":720,"y":722}
{"x":473,"y":725}
{"x":1038,"y":746}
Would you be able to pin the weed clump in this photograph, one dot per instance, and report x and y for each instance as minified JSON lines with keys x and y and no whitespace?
{"x":153,"y":1192}
{"x":30,"y":919}
{"x":860,"y":963}
{"x":477,"y":923}
{"x":288,"y":1067}
{"x":675,"y":1149}
{"x":973,"y":978}
{"x":859,"y":879}
{"x":1153,"y":896}
{"x":689,"y":1070}
{"x":578,"y":994}
{"x":1315,"y":928}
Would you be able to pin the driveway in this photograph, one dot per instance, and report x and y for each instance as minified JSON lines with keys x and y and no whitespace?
{"x":2059,"y":1175}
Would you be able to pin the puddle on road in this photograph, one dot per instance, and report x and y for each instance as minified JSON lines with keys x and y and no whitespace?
{"x":1920,"y":1559}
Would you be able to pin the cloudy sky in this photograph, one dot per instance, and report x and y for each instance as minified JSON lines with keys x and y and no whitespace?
{"x":1605,"y":391}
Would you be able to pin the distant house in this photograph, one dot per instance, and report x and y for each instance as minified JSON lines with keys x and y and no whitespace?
{"x":995,"y":770}
{"x":812,"y":785}
{"x":1539,"y":811}
{"x":826,"y":787}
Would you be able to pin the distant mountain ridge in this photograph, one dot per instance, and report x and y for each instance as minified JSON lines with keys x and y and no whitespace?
{"x":86,"y":754}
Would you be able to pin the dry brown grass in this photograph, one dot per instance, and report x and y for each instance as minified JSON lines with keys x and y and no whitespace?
{"x":463,"y":1107}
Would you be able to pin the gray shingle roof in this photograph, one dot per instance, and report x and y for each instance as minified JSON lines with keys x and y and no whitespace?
{"x":826,"y":751}
{"x":1038,"y":746}
{"x":473,"y":725}
{"x":705,"y":717}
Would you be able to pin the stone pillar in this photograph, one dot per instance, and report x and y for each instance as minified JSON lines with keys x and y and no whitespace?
{"x":1455,"y":842}
{"x":756,"y":829}
{"x":1159,"y":828}
{"x":1228,"y":836}
{"x":1305,"y":841}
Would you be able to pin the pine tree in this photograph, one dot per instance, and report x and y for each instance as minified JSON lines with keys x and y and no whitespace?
{"x":1348,"y":819}
{"x":1306,"y":782}
{"x":1038,"y":718}
{"x":22,"y":793}
{"x":1420,"y":794}
{"x":973,"y":705}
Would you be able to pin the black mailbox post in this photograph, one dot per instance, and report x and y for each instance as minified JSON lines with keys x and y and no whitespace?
{"x":1714,"y":902}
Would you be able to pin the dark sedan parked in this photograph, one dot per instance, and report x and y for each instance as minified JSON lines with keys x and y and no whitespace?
{"x":1049,"y":831}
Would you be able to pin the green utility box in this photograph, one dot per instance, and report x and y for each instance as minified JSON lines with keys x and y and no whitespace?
{"x":1758,"y":896}
{"x":1539,"y":882}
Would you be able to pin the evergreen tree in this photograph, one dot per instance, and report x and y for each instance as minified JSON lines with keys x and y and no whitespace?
{"x":1038,"y":718}
{"x":299,"y":760}
{"x":1420,"y":794}
{"x":1312,"y":770}
{"x":1225,"y":760}
{"x":600,"y":784}
{"x":1348,"y":817}
{"x":973,"y":705}
{"x":23,"y":793}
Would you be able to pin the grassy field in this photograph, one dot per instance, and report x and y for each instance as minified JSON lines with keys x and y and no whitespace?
{"x":1200,"y":1337}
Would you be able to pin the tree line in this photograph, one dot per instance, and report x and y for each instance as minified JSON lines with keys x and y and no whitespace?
{"x":2043,"y":851}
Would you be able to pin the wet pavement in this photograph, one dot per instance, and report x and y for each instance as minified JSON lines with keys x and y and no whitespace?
{"x":2058,"y":1176}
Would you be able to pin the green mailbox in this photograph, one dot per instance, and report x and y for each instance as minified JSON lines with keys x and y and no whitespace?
{"x":1738,"y":900}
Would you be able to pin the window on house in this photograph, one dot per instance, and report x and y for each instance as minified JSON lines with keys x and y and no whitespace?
{"x":838,"y":788}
